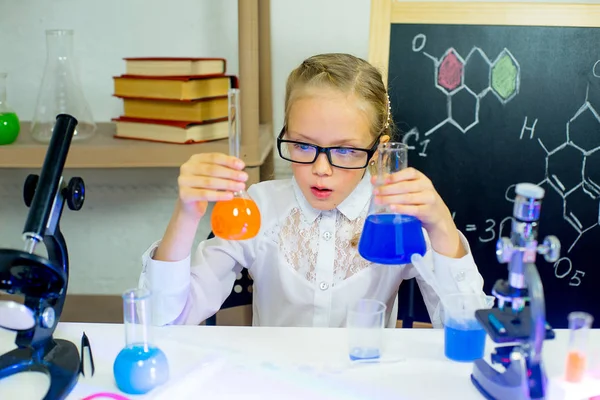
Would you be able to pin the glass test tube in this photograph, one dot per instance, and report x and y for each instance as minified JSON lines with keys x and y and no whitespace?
{"x":579,"y":327}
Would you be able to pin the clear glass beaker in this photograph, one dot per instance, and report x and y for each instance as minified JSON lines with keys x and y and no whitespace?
{"x":9,"y":122}
{"x":238,"y":218}
{"x":60,"y":91}
{"x":388,"y":237}
{"x":365,"y":321}
{"x":577,"y":356}
{"x":140,"y":366}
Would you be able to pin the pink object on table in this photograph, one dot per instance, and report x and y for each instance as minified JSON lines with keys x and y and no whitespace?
{"x":105,"y":395}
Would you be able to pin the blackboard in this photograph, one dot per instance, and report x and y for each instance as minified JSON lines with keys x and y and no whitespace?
{"x":484,"y":107}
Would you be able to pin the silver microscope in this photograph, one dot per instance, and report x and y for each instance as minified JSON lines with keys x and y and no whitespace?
{"x":519,"y":322}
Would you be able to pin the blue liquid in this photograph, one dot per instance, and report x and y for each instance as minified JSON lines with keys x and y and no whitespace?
{"x":391,"y":239}
{"x":464,"y":342}
{"x":139,"y":369}
{"x":364,"y":353}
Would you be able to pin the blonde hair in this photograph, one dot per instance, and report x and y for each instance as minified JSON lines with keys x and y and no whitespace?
{"x":351,"y":75}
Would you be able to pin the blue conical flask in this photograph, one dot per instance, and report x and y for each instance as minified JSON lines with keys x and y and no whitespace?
{"x":388,"y":237}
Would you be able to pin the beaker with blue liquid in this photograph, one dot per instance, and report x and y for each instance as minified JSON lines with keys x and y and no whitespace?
{"x":388,"y":237}
{"x":140,"y":366}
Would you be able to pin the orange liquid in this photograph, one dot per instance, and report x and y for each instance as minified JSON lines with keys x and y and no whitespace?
{"x":236,"y":219}
{"x":575,"y":367}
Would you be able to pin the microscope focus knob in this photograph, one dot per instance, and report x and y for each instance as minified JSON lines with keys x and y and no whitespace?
{"x":75,"y":194}
{"x":504,"y":248}
{"x":550,"y":248}
{"x":29,"y":188}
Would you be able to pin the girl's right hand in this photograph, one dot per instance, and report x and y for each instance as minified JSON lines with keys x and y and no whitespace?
{"x":209,"y":177}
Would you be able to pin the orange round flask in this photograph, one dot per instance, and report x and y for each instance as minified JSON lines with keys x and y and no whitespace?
{"x":238,"y":218}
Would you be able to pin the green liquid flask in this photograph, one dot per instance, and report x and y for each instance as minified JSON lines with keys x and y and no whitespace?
{"x":9,"y":122}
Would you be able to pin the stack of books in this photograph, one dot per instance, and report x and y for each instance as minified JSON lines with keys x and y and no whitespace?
{"x":173,"y":100}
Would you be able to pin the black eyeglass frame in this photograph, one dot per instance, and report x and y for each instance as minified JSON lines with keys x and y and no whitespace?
{"x":326,"y":150}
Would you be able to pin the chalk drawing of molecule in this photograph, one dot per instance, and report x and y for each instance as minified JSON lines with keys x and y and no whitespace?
{"x":579,"y":159}
{"x":456,"y":78}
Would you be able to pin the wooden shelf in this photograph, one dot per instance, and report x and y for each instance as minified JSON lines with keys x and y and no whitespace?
{"x":256,"y":111}
{"x":104,"y":151}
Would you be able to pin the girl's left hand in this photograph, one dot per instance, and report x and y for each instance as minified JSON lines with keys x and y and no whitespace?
{"x":410,"y":192}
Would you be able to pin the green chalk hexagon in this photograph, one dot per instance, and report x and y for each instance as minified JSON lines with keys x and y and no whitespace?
{"x":505,"y":76}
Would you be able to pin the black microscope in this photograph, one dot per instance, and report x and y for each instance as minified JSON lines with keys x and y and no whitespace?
{"x":519,"y":322}
{"x":42,"y":281}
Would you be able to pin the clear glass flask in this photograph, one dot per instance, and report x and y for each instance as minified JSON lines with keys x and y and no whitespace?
{"x":388,"y":237}
{"x":9,"y":122}
{"x":140,"y":366}
{"x":60,"y":90}
{"x":580,"y":324}
{"x":239,"y":218}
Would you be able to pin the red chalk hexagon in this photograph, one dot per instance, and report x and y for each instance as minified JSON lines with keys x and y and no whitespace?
{"x":450,"y":71}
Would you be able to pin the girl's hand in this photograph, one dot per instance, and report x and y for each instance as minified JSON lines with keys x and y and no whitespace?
{"x":410,"y":192}
{"x":209,"y":177}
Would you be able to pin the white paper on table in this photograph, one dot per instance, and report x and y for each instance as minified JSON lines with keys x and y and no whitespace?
{"x":224,"y":377}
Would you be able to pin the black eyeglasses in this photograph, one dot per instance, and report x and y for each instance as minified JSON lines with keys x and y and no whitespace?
{"x":338,"y":156}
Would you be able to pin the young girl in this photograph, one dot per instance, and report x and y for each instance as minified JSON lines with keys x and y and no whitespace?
{"x":304,"y":261}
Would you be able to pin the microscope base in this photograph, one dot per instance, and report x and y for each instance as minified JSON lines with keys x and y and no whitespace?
{"x":59,"y":360}
{"x":494,"y":385}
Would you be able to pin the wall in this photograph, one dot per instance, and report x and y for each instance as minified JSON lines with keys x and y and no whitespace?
{"x":126,"y":210}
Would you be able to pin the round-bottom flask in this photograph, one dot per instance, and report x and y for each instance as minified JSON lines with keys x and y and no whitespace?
{"x":9,"y":122}
{"x":238,"y":218}
{"x":140,"y":366}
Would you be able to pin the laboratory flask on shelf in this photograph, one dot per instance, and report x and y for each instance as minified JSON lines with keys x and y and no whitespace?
{"x":9,"y":122}
{"x":388,"y":237}
{"x":238,"y":218}
{"x":60,"y":91}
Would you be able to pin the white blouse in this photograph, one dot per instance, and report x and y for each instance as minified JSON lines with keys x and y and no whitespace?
{"x":305,"y":269}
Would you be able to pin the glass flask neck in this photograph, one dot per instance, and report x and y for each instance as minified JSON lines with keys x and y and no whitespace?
{"x":3,"y":88}
{"x":59,"y":43}
{"x":391,"y":158}
{"x":233,"y":99}
{"x":137,"y":318}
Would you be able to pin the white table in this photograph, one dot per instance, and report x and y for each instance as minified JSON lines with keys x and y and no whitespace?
{"x":421,"y":370}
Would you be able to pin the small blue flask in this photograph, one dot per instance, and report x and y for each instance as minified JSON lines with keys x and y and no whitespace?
{"x":140,"y":366}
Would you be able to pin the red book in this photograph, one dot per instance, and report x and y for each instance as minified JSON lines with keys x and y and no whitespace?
{"x":182,"y":132}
